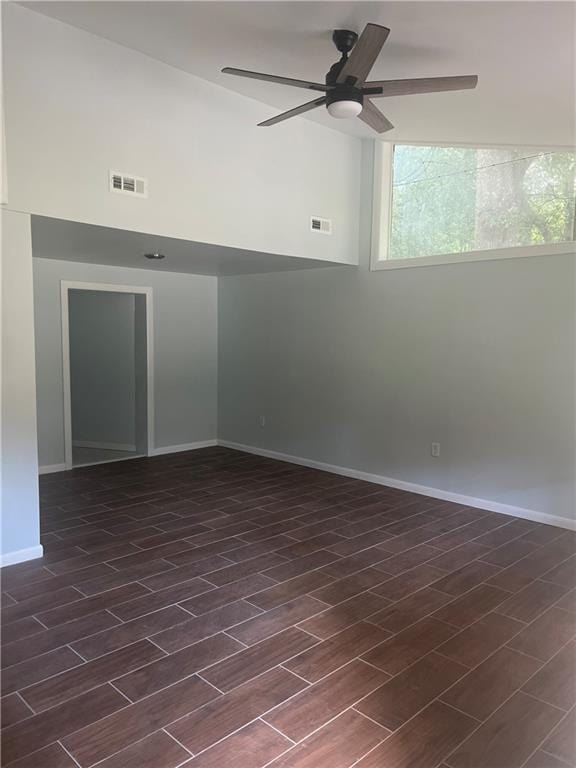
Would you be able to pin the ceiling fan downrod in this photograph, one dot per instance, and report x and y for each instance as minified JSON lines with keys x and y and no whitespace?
{"x":344,"y":40}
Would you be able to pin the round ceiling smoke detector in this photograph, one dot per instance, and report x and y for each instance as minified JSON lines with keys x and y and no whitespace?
{"x":154,"y":256}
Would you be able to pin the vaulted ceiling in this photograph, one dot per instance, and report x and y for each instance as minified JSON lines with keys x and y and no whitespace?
{"x":523,"y":52}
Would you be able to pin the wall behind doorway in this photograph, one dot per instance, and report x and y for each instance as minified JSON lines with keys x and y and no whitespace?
{"x":185,"y":352}
{"x":102,"y":369}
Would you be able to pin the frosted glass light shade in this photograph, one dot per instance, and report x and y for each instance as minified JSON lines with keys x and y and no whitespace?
{"x":344,"y":109}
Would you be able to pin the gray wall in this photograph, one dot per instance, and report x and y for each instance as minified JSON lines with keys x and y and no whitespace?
{"x":102,"y":368}
{"x":365,"y":369}
{"x":20,"y":529}
{"x":185,"y":353}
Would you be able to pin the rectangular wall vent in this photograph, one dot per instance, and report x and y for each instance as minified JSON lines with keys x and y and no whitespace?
{"x":128,"y":185}
{"x":323,"y":226}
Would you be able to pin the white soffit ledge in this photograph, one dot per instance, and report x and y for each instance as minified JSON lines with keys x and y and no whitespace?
{"x":74,"y":241}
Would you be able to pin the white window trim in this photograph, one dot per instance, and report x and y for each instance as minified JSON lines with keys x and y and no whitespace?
{"x":381,"y":221}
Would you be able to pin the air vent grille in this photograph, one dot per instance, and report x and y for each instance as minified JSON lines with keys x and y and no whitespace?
{"x":322,"y":226}
{"x":128,"y":185}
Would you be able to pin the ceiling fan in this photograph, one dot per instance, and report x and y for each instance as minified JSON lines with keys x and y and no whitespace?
{"x":346,"y":91}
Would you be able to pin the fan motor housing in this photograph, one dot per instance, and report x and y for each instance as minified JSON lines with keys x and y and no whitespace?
{"x":344,"y":93}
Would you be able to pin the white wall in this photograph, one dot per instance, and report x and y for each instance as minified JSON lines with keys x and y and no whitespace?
{"x":185,"y":352}
{"x":102,"y":368}
{"x":79,"y":106}
{"x":141,"y":373}
{"x":20,"y":539}
{"x":365,"y":369}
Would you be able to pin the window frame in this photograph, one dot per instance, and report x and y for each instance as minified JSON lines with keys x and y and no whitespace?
{"x":382,"y":220}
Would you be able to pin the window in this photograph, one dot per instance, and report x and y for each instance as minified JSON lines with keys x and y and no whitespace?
{"x":438,"y":205}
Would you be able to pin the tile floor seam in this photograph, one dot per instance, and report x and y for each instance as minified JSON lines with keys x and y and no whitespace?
{"x":278,"y":486}
{"x":28,"y":706}
{"x":438,"y":698}
{"x":503,"y":704}
{"x":113,"y":754}
{"x":184,"y":747}
{"x":284,"y":736}
{"x":199,"y":676}
{"x":68,"y":753}
{"x":311,"y":733}
{"x":224,"y":632}
{"x":543,"y":701}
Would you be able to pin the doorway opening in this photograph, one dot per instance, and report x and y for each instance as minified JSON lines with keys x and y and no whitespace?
{"x":108,"y":383}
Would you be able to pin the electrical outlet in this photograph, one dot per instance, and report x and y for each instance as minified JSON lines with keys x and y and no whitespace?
{"x":262,"y":421}
{"x":435,"y":449}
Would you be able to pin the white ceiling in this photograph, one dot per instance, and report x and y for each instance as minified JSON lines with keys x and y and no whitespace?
{"x":72,"y":241}
{"x":523,"y":53}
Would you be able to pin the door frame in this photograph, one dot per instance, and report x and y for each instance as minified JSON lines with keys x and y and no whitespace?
{"x":65,"y":287}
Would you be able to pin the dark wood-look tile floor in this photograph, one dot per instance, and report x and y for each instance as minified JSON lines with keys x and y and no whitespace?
{"x":212,"y":609}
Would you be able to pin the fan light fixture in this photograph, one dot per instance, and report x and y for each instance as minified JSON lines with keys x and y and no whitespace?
{"x":344,"y":109}
{"x":346,"y":91}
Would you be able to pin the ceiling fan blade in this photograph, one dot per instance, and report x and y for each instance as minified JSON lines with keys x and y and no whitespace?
{"x":363,"y":55}
{"x":275,"y":79}
{"x":372,"y":116}
{"x":296,"y":111}
{"x":423,"y":85}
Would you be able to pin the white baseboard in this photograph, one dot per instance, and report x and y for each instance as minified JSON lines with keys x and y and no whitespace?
{"x":162,"y":451}
{"x":435,"y":493}
{"x":49,"y":468}
{"x":184,"y":447}
{"x":21,"y":555}
{"x":115,"y":460}
{"x":104,"y":446}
